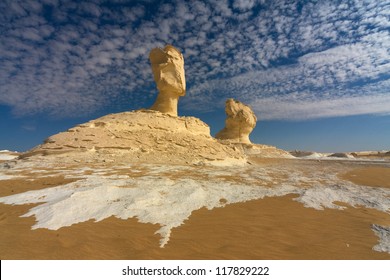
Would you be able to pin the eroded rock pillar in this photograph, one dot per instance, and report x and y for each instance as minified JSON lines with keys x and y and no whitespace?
{"x":168,"y":71}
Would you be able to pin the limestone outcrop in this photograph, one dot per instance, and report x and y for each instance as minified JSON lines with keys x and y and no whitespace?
{"x":240,"y":122}
{"x":168,"y":71}
{"x":256,"y":151}
{"x":341,"y":155}
{"x":143,"y":136}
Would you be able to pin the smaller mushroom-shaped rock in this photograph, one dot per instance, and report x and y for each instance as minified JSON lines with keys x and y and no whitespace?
{"x":239,"y":123}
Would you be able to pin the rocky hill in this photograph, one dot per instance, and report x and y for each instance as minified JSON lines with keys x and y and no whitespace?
{"x":140,"y":136}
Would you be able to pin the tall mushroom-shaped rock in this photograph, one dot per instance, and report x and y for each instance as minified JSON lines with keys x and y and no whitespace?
{"x":168,"y":71}
{"x":239,"y":123}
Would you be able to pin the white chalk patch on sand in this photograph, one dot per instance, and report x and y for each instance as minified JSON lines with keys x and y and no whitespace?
{"x":384,"y":238}
{"x":320,"y":197}
{"x":7,"y":177}
{"x":315,"y":156}
{"x":159,"y":198}
{"x":6,"y":173}
{"x":355,"y":196}
{"x":155,"y":200}
{"x":320,"y":156}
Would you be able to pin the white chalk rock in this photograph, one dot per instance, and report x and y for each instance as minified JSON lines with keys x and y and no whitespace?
{"x":240,"y":122}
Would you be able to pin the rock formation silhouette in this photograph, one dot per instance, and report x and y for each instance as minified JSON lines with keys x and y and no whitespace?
{"x":168,"y":71}
{"x":239,"y":123}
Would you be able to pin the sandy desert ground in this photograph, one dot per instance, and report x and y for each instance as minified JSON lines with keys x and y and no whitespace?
{"x":268,"y":209}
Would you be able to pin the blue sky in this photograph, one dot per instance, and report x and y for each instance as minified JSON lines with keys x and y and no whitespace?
{"x":316,"y":73}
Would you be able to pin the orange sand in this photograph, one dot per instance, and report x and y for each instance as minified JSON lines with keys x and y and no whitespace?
{"x":369,"y":176}
{"x":271,"y":228}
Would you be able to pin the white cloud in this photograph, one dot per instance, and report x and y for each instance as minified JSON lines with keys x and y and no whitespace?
{"x":96,"y":54}
{"x":244,"y":4}
{"x":295,"y":108}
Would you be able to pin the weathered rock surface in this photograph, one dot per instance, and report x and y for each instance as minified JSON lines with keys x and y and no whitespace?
{"x":8,"y":155}
{"x":341,"y":155}
{"x":371,"y":154}
{"x":168,"y":71}
{"x":297,"y":153}
{"x":240,"y":122}
{"x":263,"y":151}
{"x":140,"y":136}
